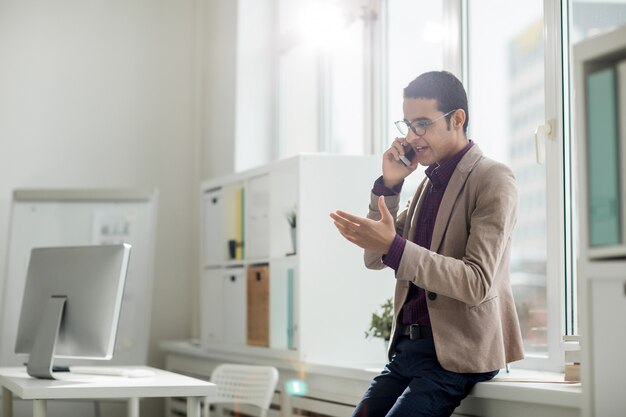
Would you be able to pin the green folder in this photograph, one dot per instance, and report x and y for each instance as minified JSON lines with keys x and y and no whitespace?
{"x":291,"y":337}
{"x":603,"y":159}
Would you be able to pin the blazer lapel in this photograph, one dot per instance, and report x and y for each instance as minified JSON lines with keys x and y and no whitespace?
{"x":454,"y":188}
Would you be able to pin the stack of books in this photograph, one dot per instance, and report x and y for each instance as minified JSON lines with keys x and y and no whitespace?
{"x":572,"y":358}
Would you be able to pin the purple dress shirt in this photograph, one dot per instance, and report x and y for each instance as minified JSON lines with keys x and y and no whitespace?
{"x":415,"y":310}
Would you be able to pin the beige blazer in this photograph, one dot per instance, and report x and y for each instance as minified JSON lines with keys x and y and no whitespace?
{"x":472,"y":312}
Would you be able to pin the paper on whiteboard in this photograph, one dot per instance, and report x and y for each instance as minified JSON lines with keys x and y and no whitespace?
{"x":112,"y":227}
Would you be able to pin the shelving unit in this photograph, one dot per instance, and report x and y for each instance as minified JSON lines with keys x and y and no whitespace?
{"x":600,"y":74}
{"x":320,"y":297}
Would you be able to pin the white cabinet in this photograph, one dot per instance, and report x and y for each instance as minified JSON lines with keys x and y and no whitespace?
{"x":321,"y":297}
{"x":210,"y":311}
{"x":223,"y":322}
{"x":233,"y":298}
{"x":602,"y":304}
{"x":600,"y":72}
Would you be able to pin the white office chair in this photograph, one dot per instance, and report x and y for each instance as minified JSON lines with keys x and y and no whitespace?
{"x":243,"y":384}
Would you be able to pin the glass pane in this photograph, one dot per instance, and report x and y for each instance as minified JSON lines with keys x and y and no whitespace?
{"x":590,"y":18}
{"x":414,"y":45}
{"x":289,"y":14}
{"x":297,"y":102}
{"x":346,"y":91}
{"x":320,"y":77}
{"x":506,"y":94}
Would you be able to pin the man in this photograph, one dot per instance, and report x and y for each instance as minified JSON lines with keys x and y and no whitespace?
{"x":455,"y":322}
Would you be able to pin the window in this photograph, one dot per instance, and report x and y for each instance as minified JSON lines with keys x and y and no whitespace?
{"x":321,"y":77}
{"x":518,"y":80}
{"x":414,"y":45}
{"x":591,"y":18}
{"x":506,"y":89}
{"x":298,"y":110}
{"x":515,"y":59}
{"x":343,"y":97}
{"x":346,"y":110}
{"x":298,"y":84}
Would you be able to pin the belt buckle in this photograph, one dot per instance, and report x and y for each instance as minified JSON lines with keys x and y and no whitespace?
{"x":415,"y":331}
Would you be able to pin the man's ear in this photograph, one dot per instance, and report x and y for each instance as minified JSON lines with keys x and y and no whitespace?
{"x":458,"y":119}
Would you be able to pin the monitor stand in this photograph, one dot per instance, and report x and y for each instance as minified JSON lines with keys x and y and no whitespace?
{"x":42,"y":354}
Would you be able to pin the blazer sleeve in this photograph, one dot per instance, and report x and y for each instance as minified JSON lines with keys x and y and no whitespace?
{"x":373,"y":260}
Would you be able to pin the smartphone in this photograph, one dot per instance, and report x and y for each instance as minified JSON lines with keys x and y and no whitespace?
{"x":408,"y":156}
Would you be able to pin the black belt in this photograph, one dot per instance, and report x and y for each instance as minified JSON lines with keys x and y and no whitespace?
{"x":415,"y":331}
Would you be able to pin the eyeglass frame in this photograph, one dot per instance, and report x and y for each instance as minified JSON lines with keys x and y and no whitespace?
{"x":423,"y":124}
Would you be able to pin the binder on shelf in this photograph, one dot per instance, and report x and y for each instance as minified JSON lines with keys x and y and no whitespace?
{"x":233,"y":217}
{"x":239,"y":224}
{"x":213,"y":250}
{"x":234,"y":297}
{"x":211,"y":317}
{"x":282,"y":307}
{"x":258,"y":307}
{"x":257,"y":220}
{"x":291,"y":323}
{"x":602,"y":145}
{"x":621,"y":88}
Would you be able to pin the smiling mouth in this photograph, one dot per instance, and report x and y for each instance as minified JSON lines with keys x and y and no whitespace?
{"x":420,"y":148}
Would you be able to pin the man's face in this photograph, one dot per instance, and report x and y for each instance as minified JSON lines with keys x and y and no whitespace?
{"x":438,"y":142}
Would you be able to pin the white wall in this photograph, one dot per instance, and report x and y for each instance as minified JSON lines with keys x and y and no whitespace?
{"x":103,"y":94}
{"x":218,"y":68}
{"x":238,"y":82}
{"x":123,"y":93}
{"x":256,"y":84}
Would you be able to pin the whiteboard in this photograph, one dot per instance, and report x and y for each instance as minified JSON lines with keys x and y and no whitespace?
{"x":42,"y":218}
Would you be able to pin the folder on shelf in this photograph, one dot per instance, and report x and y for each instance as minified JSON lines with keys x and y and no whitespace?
{"x":621,"y":88}
{"x":214,"y":252}
{"x":291,"y":324}
{"x":257,"y":217}
{"x":282,"y":320}
{"x":258,"y":307}
{"x":233,"y":213}
{"x":233,"y":297}
{"x":239,"y":223}
{"x":603,"y":159}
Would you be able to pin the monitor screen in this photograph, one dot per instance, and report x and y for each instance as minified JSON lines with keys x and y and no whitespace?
{"x":71,"y":305}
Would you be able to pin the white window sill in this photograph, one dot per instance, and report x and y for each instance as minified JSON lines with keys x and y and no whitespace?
{"x":518,"y":388}
{"x":528,"y":386}
{"x":519,"y":385}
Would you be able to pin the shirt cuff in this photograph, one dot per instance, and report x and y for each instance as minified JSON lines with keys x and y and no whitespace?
{"x":394,"y":256}
{"x":381,"y":189}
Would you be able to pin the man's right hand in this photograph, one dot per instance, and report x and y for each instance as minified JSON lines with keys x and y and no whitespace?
{"x":394,"y":171}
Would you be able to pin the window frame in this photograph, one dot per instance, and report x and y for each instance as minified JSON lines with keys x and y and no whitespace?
{"x":560,"y":268}
{"x":560,"y":278}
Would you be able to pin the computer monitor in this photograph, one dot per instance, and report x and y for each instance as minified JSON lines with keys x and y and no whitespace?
{"x":71,"y":305}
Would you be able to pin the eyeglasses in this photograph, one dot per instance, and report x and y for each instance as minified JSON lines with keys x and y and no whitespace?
{"x":418,"y":126}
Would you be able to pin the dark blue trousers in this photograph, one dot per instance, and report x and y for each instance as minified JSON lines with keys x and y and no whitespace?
{"x":414,"y":384}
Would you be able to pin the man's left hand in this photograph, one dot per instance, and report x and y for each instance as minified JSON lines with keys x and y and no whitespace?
{"x":372,"y":235}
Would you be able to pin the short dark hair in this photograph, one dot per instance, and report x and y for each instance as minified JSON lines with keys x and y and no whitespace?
{"x":443,"y":87}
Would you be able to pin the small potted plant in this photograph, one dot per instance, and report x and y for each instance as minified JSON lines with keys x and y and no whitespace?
{"x":291,"y":217}
{"x":380,"y":325}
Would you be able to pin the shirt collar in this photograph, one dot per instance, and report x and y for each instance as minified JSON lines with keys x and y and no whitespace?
{"x":439,"y":173}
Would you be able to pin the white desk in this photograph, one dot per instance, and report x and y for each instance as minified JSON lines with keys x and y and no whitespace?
{"x":74,"y":386}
